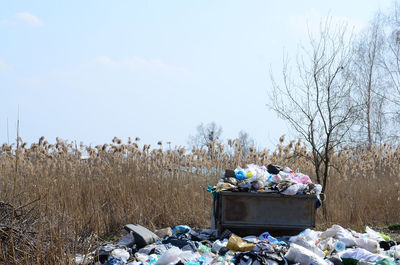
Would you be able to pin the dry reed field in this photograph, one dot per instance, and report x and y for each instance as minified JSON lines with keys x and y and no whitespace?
{"x":55,"y":204}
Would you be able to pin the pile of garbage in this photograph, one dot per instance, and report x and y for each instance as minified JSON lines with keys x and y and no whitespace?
{"x":272,"y":178}
{"x":184,"y":246}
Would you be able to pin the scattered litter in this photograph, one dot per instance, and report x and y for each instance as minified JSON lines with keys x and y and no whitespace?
{"x":187,"y":246}
{"x":183,"y":245}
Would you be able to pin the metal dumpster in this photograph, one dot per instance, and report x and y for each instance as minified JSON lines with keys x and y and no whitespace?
{"x":246,"y":213}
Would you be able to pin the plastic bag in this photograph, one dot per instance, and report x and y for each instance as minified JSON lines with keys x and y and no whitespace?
{"x":368,"y":244}
{"x":303,"y":256}
{"x":189,"y":256}
{"x":285,"y":176}
{"x":307,"y":234}
{"x":240,"y":174}
{"x":236,"y":243}
{"x":127,"y":241}
{"x":294,"y":189}
{"x":121,"y":254}
{"x":115,"y":261}
{"x":310,"y":246}
{"x":217,"y":245}
{"x":182,"y":241}
{"x":317,"y":190}
{"x":360,"y":254}
{"x":301,"y":178}
{"x":171,"y":256}
{"x":181,"y":228}
{"x":258,"y":174}
{"x":251,"y":239}
{"x":386,"y":261}
{"x":308,"y":239}
{"x":274,"y":169}
{"x":372,"y":234}
{"x":141,"y":257}
{"x":147,"y":249}
{"x":271,"y":239}
{"x":327,"y":245}
{"x":340,"y":233}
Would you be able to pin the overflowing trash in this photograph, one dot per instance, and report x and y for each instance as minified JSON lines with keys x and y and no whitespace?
{"x":272,"y":178}
{"x":184,"y":246}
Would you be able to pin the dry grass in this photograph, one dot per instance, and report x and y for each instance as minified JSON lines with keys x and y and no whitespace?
{"x":78,"y":200}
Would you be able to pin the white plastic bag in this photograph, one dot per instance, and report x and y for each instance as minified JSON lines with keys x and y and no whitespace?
{"x":285,"y":176}
{"x":361,"y":254}
{"x":373,"y":234}
{"x":217,"y":245}
{"x":310,"y":246}
{"x":251,"y":239}
{"x":395,"y":248}
{"x":308,"y":234}
{"x":327,"y":245}
{"x":368,"y":244}
{"x":303,"y":256}
{"x":141,"y":257}
{"x":340,"y":233}
{"x":294,"y":189}
{"x":120,"y":253}
{"x":171,"y":256}
{"x":189,"y":256}
{"x":318,"y":189}
{"x":308,"y":239}
{"x":147,"y":249}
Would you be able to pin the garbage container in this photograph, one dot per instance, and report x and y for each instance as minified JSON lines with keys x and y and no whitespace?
{"x":246,"y":213}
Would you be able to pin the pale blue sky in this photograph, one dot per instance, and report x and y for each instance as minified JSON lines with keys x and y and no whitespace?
{"x":92,"y":70}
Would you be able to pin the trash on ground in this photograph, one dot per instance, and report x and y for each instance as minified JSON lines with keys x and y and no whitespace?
{"x":183,"y":245}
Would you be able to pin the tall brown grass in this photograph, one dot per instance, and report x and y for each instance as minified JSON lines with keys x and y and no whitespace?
{"x":77,"y":200}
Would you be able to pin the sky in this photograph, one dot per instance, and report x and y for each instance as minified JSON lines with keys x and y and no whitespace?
{"x":91,"y":70}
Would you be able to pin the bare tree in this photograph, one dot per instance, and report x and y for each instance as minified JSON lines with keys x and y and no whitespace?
{"x":245,"y":143}
{"x":206,"y":134}
{"x":369,"y":78}
{"x":391,"y":64}
{"x":315,"y":99}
